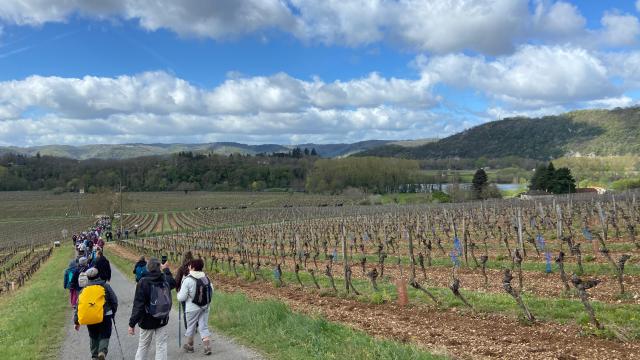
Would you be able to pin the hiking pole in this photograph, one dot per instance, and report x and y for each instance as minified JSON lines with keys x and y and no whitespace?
{"x":117,"y":336}
{"x":179,"y":324}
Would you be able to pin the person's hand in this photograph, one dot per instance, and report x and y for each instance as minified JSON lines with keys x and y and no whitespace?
{"x":77,"y":327}
{"x":132,"y":331}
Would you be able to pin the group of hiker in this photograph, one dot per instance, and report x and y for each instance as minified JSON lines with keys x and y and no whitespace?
{"x":95,"y":303}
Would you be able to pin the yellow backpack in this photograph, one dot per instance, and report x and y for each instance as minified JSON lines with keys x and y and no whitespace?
{"x":91,"y":305}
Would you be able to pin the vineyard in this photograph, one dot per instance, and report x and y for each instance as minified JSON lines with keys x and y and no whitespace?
{"x":493,"y":279}
{"x":26,"y":244}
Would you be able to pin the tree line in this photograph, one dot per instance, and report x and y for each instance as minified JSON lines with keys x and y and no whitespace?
{"x":187,"y":171}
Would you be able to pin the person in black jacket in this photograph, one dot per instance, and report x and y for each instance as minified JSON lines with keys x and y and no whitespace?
{"x":100,"y":333}
{"x":158,"y":275}
{"x":103,"y":266}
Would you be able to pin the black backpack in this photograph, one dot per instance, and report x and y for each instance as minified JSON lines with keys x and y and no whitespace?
{"x":159,"y":300}
{"x":202,"y":297}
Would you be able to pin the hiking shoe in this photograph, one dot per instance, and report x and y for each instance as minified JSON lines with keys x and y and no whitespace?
{"x":188,"y":348}
{"x":207,"y":347}
{"x":101,"y":356}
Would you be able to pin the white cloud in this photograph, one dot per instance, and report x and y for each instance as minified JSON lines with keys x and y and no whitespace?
{"x":158,"y":105}
{"x":214,"y":18}
{"x":619,"y":30}
{"x":485,"y":26}
{"x":445,"y":26}
{"x":534,"y":76}
{"x":638,"y":5}
{"x":612,"y":102}
{"x":561,"y":21}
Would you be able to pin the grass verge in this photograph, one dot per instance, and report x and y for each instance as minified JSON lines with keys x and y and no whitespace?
{"x":272,"y":328}
{"x":32,"y":319}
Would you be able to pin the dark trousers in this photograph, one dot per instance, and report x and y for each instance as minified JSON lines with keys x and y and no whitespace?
{"x":99,"y":335}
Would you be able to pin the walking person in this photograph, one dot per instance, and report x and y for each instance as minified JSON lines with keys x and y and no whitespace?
{"x":183,"y":271}
{"x":69,"y":274}
{"x":103,"y":266}
{"x":76,"y":282}
{"x":196,"y":291}
{"x":151,"y":309}
{"x":97,"y":305}
{"x":140,"y":268}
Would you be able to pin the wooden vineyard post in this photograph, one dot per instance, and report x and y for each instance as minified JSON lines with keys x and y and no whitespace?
{"x":520,"y":240}
{"x":464,"y":240}
{"x":559,"y":225}
{"x":344,"y":260}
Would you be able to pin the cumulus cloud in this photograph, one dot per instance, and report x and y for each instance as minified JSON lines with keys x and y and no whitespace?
{"x":157,"y":104}
{"x":486,"y":26}
{"x":619,"y":30}
{"x":559,"y":21}
{"x":534,"y":76}
{"x":215,"y":18}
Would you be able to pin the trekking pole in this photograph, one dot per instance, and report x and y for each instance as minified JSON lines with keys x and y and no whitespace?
{"x":117,"y":336}
{"x":179,"y":324}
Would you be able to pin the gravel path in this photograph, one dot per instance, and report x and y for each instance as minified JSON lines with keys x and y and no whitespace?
{"x":76,"y":345}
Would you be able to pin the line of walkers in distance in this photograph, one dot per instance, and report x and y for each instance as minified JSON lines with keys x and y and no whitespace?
{"x":95,"y":303}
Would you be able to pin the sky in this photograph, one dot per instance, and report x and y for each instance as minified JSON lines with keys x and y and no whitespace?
{"x":297,"y":71}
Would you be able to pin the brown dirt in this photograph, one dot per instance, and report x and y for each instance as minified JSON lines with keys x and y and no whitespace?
{"x":457,"y":333}
{"x":158,"y":226}
{"x":172,"y":222}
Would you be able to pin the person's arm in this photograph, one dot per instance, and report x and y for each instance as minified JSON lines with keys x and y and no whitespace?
{"x":169,"y":278}
{"x":111,"y":298}
{"x":137,"y":311}
{"x":183,"y":294}
{"x":179,"y":278}
{"x":107,"y":269}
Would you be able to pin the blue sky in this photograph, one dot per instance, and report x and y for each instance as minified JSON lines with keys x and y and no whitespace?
{"x":296,"y":71}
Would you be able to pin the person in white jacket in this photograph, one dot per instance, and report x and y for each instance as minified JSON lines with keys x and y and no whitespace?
{"x":196,"y":291}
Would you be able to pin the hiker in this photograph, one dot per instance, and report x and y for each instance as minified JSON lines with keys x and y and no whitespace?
{"x":196,"y":292}
{"x":151,"y":309}
{"x":118,"y":234}
{"x":140,"y":268}
{"x":68,"y":282}
{"x":83,"y":265}
{"x":103,"y":266}
{"x":100,"y":243}
{"x":97,"y":305}
{"x":183,"y":271}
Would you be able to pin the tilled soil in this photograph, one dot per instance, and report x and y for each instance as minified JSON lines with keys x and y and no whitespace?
{"x":457,"y":333}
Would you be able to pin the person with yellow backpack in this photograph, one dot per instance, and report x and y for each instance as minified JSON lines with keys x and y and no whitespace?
{"x":97,"y":305}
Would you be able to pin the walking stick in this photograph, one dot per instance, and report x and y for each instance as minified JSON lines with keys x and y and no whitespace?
{"x":117,"y":336}
{"x":179,"y":324}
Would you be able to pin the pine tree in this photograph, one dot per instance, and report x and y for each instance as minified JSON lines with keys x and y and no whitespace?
{"x":537,"y":180}
{"x":313,"y":152}
{"x":479,"y":183}
{"x":563,"y":182}
{"x":549,"y":178}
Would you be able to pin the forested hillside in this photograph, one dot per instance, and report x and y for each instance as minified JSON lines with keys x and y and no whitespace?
{"x":601,"y":132}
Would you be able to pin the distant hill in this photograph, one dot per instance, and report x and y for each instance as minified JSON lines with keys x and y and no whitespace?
{"x":584,"y":132}
{"x":125,"y":151}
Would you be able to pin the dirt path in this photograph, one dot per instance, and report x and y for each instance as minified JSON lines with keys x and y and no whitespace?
{"x":455,"y":332}
{"x":76,"y":345}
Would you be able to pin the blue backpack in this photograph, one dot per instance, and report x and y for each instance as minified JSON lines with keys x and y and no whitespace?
{"x":141,"y":271}
{"x":68,"y":277}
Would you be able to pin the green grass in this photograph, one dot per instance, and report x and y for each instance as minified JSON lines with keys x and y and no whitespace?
{"x":276,"y":331}
{"x":282,"y":334}
{"x":32,"y":319}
